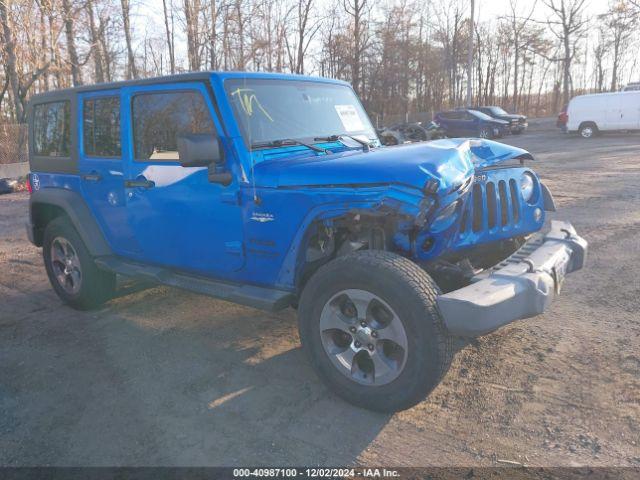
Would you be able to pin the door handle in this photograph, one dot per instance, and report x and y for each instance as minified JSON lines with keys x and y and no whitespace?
{"x":139,"y":183}
{"x":92,"y":177}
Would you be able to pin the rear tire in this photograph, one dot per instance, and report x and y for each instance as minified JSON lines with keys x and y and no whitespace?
{"x":370,"y":326}
{"x":72,"y":272}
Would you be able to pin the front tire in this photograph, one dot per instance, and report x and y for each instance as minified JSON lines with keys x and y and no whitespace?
{"x":485,"y":132}
{"x":370,"y":326}
{"x":588,"y":130}
{"x":71,"y":270}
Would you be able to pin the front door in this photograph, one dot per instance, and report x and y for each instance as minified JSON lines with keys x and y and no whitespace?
{"x":180,"y":218}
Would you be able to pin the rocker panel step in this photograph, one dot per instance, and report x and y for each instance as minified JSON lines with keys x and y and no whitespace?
{"x":250,"y":295}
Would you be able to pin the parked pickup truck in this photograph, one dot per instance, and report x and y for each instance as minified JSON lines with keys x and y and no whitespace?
{"x":273,"y":191}
{"x":517,"y":123}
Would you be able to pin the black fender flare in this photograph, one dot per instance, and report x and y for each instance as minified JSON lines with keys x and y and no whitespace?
{"x":76,"y":210}
{"x":549,"y":202}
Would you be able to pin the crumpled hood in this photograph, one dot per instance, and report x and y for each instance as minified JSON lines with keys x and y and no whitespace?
{"x":450,"y":161}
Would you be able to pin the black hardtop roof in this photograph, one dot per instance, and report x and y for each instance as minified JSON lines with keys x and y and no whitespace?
{"x":181,"y":77}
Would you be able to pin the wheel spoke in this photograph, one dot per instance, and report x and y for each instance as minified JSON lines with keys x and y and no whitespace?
{"x":75,"y":261}
{"x":61,"y":277}
{"x":361,"y":300}
{"x":394,"y":332}
{"x":333,"y":318}
{"x":75,"y":279}
{"x":57,"y":252}
{"x":345,"y":358}
{"x":382,"y":367}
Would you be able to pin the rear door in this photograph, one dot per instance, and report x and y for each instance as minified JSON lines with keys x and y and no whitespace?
{"x":629,"y":110}
{"x":100,"y":166}
{"x":612,"y":106}
{"x":453,"y":124}
{"x":468,"y":124}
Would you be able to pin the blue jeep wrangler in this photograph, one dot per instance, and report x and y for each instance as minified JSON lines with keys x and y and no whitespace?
{"x":273,"y":191}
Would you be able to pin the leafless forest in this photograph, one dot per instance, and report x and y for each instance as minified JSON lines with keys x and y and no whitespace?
{"x":401,"y":56}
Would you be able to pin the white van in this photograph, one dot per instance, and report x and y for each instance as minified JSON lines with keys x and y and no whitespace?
{"x":604,"y":112}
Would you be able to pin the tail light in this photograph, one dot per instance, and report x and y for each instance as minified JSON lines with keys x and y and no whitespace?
{"x":563,"y":117}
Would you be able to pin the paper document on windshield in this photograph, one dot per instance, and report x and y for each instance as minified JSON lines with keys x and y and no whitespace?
{"x":349,"y":117}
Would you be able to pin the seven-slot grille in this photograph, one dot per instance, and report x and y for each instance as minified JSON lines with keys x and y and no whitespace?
{"x":492,"y":205}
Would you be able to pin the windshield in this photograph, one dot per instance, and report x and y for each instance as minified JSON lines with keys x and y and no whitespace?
{"x":270,"y":110}
{"x":498,"y":111}
{"x":481,"y":115}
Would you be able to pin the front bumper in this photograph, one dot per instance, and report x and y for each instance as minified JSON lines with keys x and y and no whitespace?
{"x":522,"y":286}
{"x":519,"y":127}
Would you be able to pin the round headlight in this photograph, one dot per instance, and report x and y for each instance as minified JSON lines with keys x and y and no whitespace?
{"x":527,"y":185}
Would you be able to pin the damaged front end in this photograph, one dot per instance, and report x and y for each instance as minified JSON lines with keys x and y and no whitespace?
{"x":471,"y":201}
{"x":475,"y":230}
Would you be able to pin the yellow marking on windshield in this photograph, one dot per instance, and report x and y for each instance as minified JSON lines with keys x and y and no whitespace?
{"x":248,"y":100}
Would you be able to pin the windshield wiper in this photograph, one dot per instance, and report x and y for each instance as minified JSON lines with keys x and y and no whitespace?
{"x":366,"y":146}
{"x":287,"y":141}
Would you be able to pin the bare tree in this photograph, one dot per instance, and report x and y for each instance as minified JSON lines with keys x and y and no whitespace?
{"x":192,"y":10}
{"x":11,"y":61}
{"x":621,"y":21}
{"x":517,"y":25}
{"x":69,"y":16}
{"x":168,"y":26}
{"x":305,"y":30}
{"x":568,"y":25}
{"x":357,"y":10}
{"x":132,"y":71}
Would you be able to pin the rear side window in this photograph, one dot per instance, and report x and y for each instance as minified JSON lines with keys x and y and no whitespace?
{"x":159,"y":118}
{"x":51,"y":134}
{"x":101,"y":127}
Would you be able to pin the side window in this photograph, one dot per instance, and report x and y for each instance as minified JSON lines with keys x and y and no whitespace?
{"x":101,"y":127}
{"x":51,"y":134}
{"x":159,"y":118}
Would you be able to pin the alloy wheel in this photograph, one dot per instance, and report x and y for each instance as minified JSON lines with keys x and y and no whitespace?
{"x":66,"y":265}
{"x":586,"y":132}
{"x":363,"y":337}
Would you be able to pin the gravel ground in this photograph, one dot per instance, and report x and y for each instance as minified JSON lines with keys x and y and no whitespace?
{"x":164,"y":377}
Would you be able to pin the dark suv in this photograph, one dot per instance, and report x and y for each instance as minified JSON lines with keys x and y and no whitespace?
{"x":273,"y":191}
{"x":517,"y":123}
{"x":471,"y":123}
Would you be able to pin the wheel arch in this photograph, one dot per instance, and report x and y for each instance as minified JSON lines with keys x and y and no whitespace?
{"x":586,"y":123}
{"x":342,"y":232}
{"x":47,"y":204}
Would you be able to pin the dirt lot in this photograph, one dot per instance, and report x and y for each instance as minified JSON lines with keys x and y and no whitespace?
{"x":163,"y":377}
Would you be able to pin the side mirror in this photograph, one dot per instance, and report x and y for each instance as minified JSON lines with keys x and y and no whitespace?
{"x":199,"y":150}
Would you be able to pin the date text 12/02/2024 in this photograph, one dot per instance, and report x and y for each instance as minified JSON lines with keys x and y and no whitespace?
{"x":316,"y":472}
